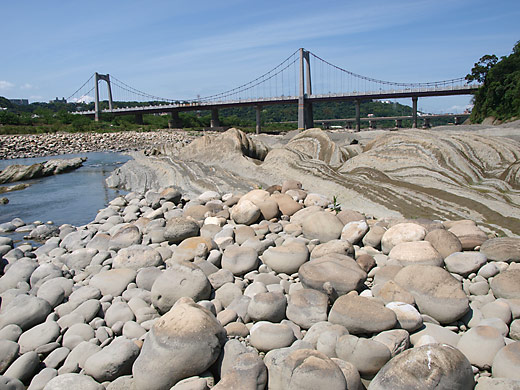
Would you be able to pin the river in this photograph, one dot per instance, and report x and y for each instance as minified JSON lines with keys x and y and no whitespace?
{"x":73,"y":197}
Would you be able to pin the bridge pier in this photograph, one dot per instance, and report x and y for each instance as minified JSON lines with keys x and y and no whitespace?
{"x":139,"y":119}
{"x":305,"y":117}
{"x":414,"y":111}
{"x":97,"y":109}
{"x":398,"y":123}
{"x":215,"y":122}
{"x":258,"y":124}
{"x":175,"y":122}
{"x":358,"y":116}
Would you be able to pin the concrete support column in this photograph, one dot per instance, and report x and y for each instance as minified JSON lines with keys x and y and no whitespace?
{"x":398,"y":123}
{"x":215,"y":122}
{"x":96,"y":98}
{"x":309,"y":117}
{"x":301,"y":96}
{"x":175,"y":122}
{"x":414,"y":111}
{"x":427,"y":123}
{"x":139,"y":119}
{"x":258,"y":124}
{"x":358,"y":116}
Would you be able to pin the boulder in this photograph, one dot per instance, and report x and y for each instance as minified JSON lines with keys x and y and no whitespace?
{"x":184,"y":342}
{"x":401,"y":232}
{"x":113,"y":282}
{"x":307,"y":307}
{"x":444,"y":242}
{"x":465,"y":263}
{"x":502,"y":249}
{"x":435,"y":291}
{"x":506,"y":284}
{"x":480,"y":345}
{"x":432,"y":366}
{"x":268,"y":306}
{"x":73,"y":382}
{"x":179,"y":280}
{"x":415,"y":253}
{"x":266,"y":336}
{"x":239,"y":260}
{"x":136,"y":257}
{"x":286,"y":258}
{"x":322,"y":225}
{"x":507,"y":361}
{"x":245,"y":212}
{"x":367,"y":355}
{"x":469,"y":234}
{"x":113,"y":361}
{"x":25,"y":311}
{"x":341,"y":273}
{"x":361,"y":315}
{"x":180,"y":228}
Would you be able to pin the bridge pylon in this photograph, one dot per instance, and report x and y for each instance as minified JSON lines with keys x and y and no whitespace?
{"x":97,"y":109}
{"x":305,"y":117}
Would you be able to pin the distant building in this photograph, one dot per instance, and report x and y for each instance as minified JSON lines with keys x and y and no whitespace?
{"x":20,"y":102}
{"x":62,"y":100}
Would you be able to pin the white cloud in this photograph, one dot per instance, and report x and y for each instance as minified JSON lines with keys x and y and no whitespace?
{"x":5,"y":85}
{"x":83,"y":99}
{"x":27,"y":86}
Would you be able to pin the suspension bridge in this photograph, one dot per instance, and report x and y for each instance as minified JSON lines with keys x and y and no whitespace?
{"x":289,"y":82}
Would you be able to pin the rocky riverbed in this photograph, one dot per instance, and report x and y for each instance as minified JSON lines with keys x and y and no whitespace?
{"x":194,"y":281}
{"x":273,"y":288}
{"x":50,"y":144}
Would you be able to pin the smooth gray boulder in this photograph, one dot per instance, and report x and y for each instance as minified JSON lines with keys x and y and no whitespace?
{"x":507,"y":361}
{"x":322,"y":225}
{"x":367,"y":355}
{"x":432,"y":366}
{"x":436,"y":292}
{"x":506,"y":284}
{"x":502,"y":249}
{"x":239,"y":260}
{"x":42,"y":378}
{"x":286,"y":258}
{"x":38,"y":335}
{"x":113,"y":361}
{"x":307,"y":369}
{"x":24,"y":368}
{"x":268,"y":306}
{"x":307,"y":307}
{"x":180,"y":228}
{"x":25,"y":311}
{"x":184,"y":342}
{"x":361,"y":315}
{"x":179,"y":280}
{"x":73,"y":382}
{"x":8,"y":353}
{"x":136,"y":257}
{"x":113,"y":282}
{"x":266,"y":336}
{"x":338,"y":272}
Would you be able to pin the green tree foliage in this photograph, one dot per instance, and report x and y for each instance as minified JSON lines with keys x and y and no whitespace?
{"x":499,"y":95}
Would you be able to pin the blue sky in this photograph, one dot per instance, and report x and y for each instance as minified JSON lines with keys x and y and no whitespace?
{"x":180,"y":48}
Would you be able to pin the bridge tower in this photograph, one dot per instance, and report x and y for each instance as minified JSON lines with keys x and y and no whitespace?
{"x":104,"y":77}
{"x":305,"y":117}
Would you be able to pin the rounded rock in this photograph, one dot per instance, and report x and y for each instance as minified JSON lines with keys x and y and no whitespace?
{"x":286,"y":258}
{"x":188,"y":337}
{"x":480,"y":345}
{"x":180,"y":280}
{"x":507,"y":361}
{"x":416,"y":253}
{"x":322,"y":225}
{"x":239,"y":260}
{"x":266,"y":336}
{"x":465,"y":263}
{"x":432,"y":366}
{"x":307,"y":307}
{"x":506,"y":284}
{"x":401,"y":232}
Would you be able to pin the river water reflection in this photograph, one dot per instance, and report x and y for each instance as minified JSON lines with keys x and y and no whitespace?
{"x":73,"y":197}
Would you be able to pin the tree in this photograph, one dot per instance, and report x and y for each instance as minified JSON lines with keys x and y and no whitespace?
{"x":481,"y":68}
{"x":499,"y":95}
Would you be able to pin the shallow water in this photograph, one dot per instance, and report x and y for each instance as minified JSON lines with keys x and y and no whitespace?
{"x":73,"y":197}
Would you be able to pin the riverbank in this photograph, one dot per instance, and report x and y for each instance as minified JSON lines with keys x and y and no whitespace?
{"x":50,"y":144}
{"x":288,"y":289}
